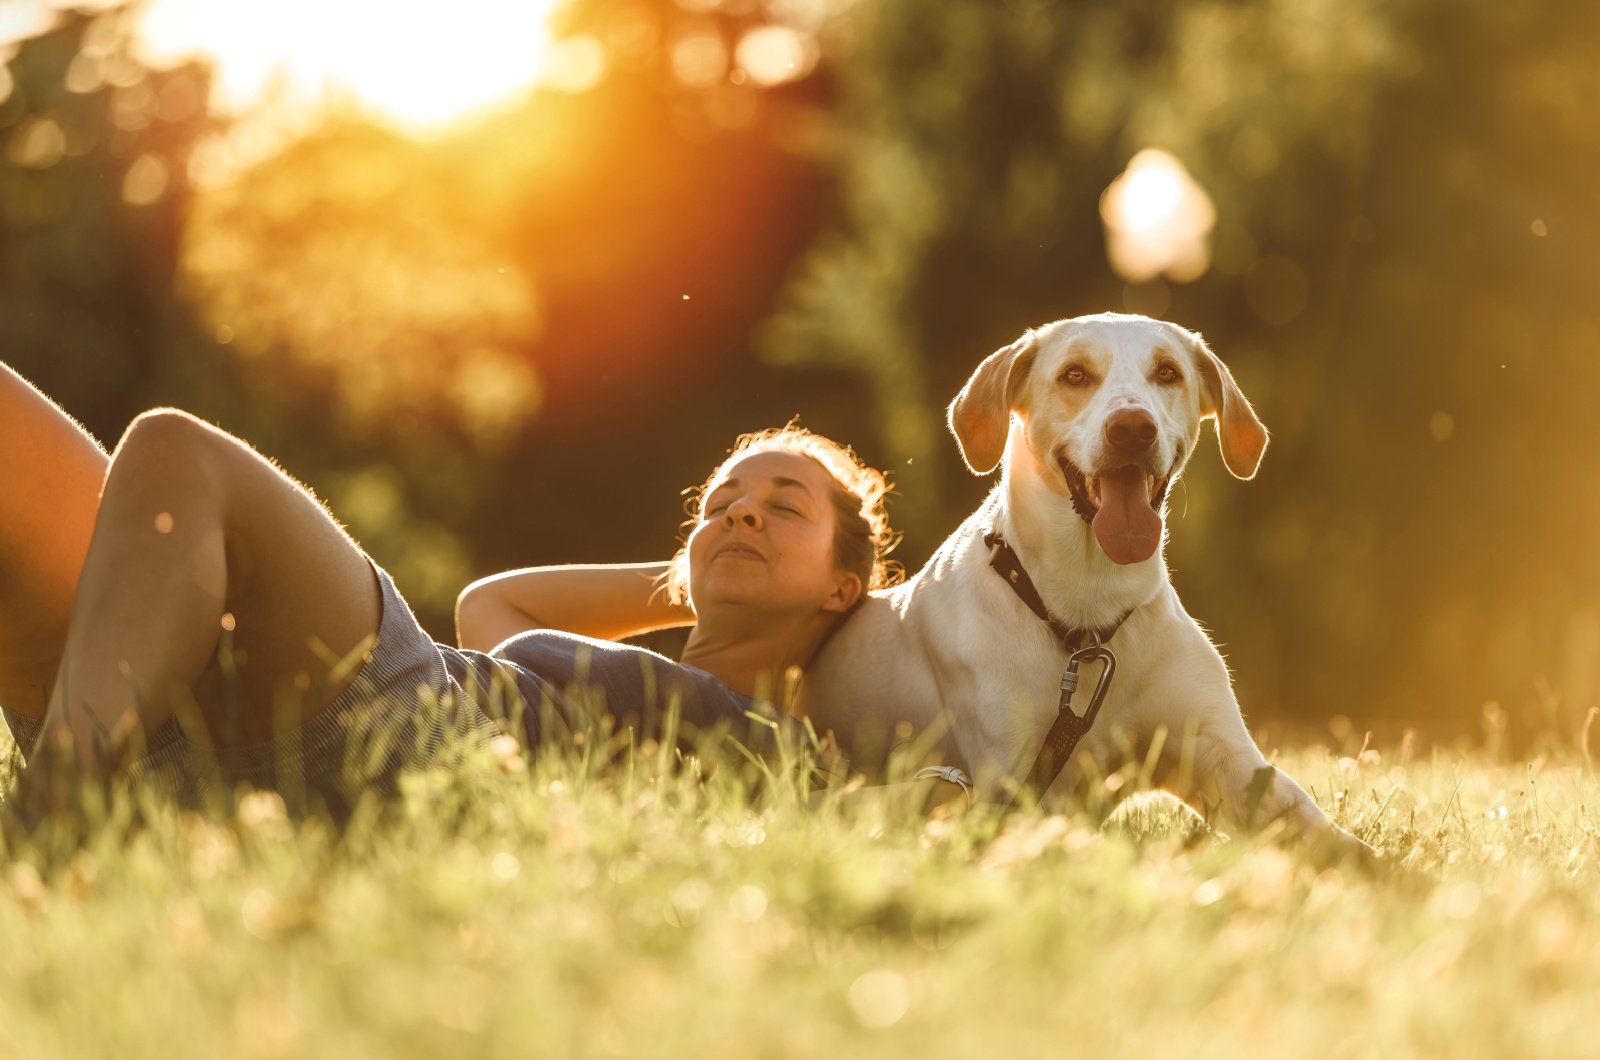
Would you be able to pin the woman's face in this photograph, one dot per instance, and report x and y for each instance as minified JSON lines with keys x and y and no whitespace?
{"x":765,"y":539}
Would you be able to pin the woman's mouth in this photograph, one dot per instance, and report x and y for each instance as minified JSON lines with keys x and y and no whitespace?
{"x":744,"y":552}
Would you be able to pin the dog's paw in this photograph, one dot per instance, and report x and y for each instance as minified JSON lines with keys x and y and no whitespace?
{"x":1333,"y":846}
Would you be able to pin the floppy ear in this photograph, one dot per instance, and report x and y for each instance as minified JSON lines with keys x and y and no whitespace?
{"x":1240,"y":434}
{"x":980,"y":416}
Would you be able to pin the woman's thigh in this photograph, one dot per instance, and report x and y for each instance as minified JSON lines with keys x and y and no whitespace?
{"x":302,"y":600}
{"x":51,"y":471}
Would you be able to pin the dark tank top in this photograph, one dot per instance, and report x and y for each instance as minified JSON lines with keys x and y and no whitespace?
{"x":575,"y":681}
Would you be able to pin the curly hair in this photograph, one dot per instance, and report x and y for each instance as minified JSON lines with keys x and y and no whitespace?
{"x":862,"y":539}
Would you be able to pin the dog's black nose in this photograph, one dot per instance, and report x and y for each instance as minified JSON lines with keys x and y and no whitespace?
{"x":1131,"y":432}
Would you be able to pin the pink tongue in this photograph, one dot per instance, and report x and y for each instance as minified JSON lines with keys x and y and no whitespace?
{"x":1128,"y":529}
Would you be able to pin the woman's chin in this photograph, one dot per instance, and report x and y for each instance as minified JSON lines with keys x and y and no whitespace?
{"x":726,"y":599}
{"x":740,"y":595}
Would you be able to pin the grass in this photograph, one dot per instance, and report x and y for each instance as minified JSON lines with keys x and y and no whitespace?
{"x":638,"y":910}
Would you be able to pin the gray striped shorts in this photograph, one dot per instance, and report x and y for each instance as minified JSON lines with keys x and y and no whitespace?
{"x":402,"y":711}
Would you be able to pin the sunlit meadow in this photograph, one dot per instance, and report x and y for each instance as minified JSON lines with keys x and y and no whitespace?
{"x":645,"y":908}
{"x":1383,"y":217}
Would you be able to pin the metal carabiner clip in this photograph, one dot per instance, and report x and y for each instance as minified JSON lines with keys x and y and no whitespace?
{"x":1069,"y":681}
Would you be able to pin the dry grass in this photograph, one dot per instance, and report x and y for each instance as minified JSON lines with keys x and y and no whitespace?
{"x":571,"y":910}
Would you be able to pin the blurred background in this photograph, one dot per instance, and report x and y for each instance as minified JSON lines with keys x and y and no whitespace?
{"x":500,"y":278}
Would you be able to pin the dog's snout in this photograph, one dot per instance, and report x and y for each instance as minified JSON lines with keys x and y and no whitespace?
{"x":1131,"y":432}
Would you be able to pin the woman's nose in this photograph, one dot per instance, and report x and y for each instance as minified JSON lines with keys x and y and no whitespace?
{"x":740,"y":513}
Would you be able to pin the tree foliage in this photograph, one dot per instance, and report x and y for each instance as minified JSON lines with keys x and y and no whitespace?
{"x":517,"y":342}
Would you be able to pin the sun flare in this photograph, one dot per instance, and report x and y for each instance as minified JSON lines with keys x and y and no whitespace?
{"x":420,"y":65}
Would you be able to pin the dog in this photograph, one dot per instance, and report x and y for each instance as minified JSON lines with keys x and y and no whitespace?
{"x":1090,"y":420}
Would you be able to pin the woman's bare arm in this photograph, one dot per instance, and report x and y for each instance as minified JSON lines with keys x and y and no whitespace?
{"x":609,"y":601}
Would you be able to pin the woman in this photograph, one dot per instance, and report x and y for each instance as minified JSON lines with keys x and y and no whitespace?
{"x":183,"y":608}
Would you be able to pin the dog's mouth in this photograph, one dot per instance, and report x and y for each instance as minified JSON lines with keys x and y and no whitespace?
{"x":1122,"y":505}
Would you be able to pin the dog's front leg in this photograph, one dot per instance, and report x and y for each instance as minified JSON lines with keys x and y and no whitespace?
{"x":1232,"y":783}
{"x":1209,"y":759}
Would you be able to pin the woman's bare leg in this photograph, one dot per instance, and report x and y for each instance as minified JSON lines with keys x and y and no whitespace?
{"x":51,"y":471}
{"x":195,"y":525}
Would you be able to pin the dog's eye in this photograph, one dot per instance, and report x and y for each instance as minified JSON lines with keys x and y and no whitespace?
{"x":1168,"y":374}
{"x":1074,"y":376}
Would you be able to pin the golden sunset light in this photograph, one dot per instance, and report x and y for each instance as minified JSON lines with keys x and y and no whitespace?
{"x":418,"y":67}
{"x":719,"y":528}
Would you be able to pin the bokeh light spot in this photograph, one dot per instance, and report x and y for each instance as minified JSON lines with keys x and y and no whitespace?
{"x":86,"y":73}
{"x":145,"y":181}
{"x":505,"y":865}
{"x":1441,"y":425}
{"x":133,"y":107}
{"x":772,"y":55}
{"x":38,"y":144}
{"x":495,"y":392}
{"x":879,"y":999}
{"x":748,"y":903}
{"x":1157,"y":220}
{"x":699,"y":58}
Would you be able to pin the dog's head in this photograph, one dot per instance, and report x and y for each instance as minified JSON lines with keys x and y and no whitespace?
{"x":1109,"y":408}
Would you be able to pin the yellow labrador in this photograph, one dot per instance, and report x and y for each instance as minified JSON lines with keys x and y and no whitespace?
{"x":1089,"y":420}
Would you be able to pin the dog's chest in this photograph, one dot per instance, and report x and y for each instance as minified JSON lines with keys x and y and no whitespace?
{"x":1012,"y":676}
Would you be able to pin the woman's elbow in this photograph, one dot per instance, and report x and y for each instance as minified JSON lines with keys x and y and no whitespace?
{"x":473,"y":616}
{"x":485,"y":620}
{"x":472,"y":595}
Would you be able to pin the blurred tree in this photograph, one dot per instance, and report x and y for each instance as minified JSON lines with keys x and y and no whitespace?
{"x":342,"y":253}
{"x":471,"y":345}
{"x":93,"y":198}
{"x":95,"y":203}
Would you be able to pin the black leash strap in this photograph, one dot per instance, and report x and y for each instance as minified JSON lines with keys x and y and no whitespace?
{"x":1083,"y":645}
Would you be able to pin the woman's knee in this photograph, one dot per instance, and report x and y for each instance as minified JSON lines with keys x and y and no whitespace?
{"x":171,"y":439}
{"x":164,"y":426}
